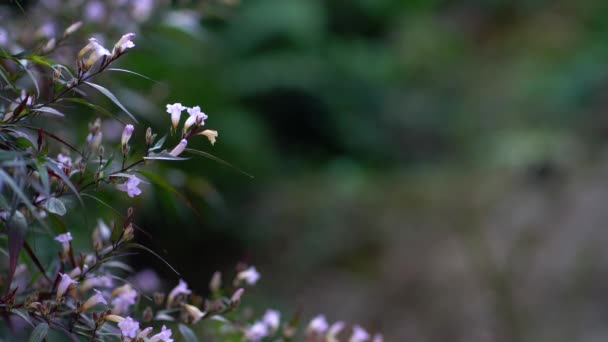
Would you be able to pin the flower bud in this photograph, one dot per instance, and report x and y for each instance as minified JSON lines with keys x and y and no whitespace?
{"x":127,"y":132}
{"x":216,"y":282}
{"x":95,"y":299}
{"x":179,"y":148}
{"x":159,"y":298}
{"x":193,"y":312}
{"x":149,"y":136}
{"x":72,"y":28}
{"x":114,"y":318}
{"x":64,"y":285}
{"x":236,"y":297}
{"x":148,"y":314}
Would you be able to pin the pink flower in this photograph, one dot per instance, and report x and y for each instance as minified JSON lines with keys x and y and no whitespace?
{"x":130,"y":186}
{"x":128,"y":327}
{"x":176,"y":112}
{"x":179,"y":148}
{"x":164,"y":335}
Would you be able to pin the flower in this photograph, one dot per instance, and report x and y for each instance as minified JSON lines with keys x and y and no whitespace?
{"x":236,"y":296}
{"x":127,"y":132}
{"x":103,"y":281}
{"x":318,"y":324}
{"x":196,"y":116}
{"x":124,"y":43}
{"x":250,"y":275}
{"x":359,"y":335}
{"x":95,"y":299}
{"x":125,"y":296}
{"x":95,"y":51}
{"x":142,"y":335}
{"x":65,"y":240}
{"x":378,"y":338}
{"x":179,"y":148}
{"x":64,"y":161}
{"x":164,"y":335}
{"x":194,"y":312}
{"x":130,"y":186}
{"x":64,"y":285}
{"x":181,"y":288}
{"x":210,"y":134}
{"x":176,"y":112}
{"x":128,"y":327}
{"x":334,"y":330}
{"x":272,"y":319}
{"x":256,"y":332}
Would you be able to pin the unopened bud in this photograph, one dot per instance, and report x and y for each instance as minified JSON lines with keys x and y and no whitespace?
{"x":148,"y":314}
{"x":216,"y":282}
{"x":159,"y":298}
{"x":101,"y":151}
{"x":236,"y":297}
{"x":72,"y":28}
{"x":149,"y":136}
{"x":179,"y":148}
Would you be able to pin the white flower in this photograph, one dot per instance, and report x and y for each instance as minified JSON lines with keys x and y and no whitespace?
{"x":103,"y":281}
{"x":196,"y":116}
{"x":272,"y":319}
{"x":128,"y":327}
{"x":256,"y":332}
{"x":318,"y":324}
{"x":176,"y":112}
{"x":194,"y":312}
{"x":130,"y":186}
{"x":210,"y":134}
{"x":181,"y":288}
{"x":95,"y":51}
{"x":124,"y":43}
{"x":177,"y":150}
{"x":95,"y":299}
{"x":127,"y":132}
{"x":64,"y":285}
{"x":359,"y":335}
{"x":164,"y":335}
{"x":250,"y":275}
{"x":64,"y":161}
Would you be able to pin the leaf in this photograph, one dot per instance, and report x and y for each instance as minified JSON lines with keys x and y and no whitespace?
{"x":55,"y":206}
{"x":6,"y":178}
{"x":39,"y":333}
{"x":49,"y":110}
{"x":137,"y":245}
{"x":133,"y":73}
{"x":221,"y":161}
{"x":159,"y":144}
{"x":163,"y":156}
{"x":24,"y":315}
{"x":65,"y":180}
{"x":17,"y":227}
{"x":31,"y":75}
{"x":4,"y":76}
{"x":188,"y":334}
{"x":113,"y":98}
{"x":160,"y":181}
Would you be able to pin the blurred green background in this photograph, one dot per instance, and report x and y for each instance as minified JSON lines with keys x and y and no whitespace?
{"x":435,"y":170}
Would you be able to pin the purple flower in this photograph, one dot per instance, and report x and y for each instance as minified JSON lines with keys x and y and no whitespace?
{"x":272,"y":319}
{"x":125,"y":296}
{"x":250,"y":275}
{"x":64,"y":285}
{"x":130,"y":186}
{"x":359,"y":335}
{"x":164,"y":335}
{"x":127,"y":132}
{"x":318,"y":324}
{"x":256,"y":332}
{"x":181,"y":288}
{"x":128,"y":327}
{"x":179,"y":148}
{"x":97,"y":298}
{"x":196,"y":116}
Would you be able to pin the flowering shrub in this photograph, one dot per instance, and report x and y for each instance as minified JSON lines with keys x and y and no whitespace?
{"x":83,"y":293}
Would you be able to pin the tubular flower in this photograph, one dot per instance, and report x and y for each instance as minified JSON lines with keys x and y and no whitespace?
{"x":65,"y":240}
{"x":95,"y":299}
{"x":176,"y":112}
{"x":179,"y":148}
{"x":64,"y":285}
{"x":272,"y":319}
{"x":318,"y":325}
{"x":125,"y":296}
{"x":194,"y":312}
{"x":196,"y":116}
{"x":127,"y":132}
{"x":130,"y":186}
{"x":95,"y":51}
{"x":256,"y":332}
{"x":359,"y":335}
{"x":124,"y":43}
{"x":210,"y":134}
{"x":181,"y":288}
{"x":164,"y":335}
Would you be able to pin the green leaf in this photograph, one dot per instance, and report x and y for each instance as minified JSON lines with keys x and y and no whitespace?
{"x":187,"y":333}
{"x":16,"y":228}
{"x":133,"y":73}
{"x":7,"y":179}
{"x":113,"y":98}
{"x":221,"y":161}
{"x":55,"y":206}
{"x":39,"y":333}
{"x":49,"y":110}
{"x":163,"y":156}
{"x":65,"y":180}
{"x":159,"y":144}
{"x":6,"y":79}
{"x":23,"y":142}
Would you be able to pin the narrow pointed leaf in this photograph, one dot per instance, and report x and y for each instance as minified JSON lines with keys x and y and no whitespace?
{"x":16,"y":227}
{"x":49,"y":110}
{"x":113,"y":98}
{"x":39,"y":333}
{"x":133,"y":73}
{"x":139,"y":246}
{"x":187,"y":333}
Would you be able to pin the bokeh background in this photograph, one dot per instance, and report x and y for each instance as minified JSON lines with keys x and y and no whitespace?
{"x":436,"y":170}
